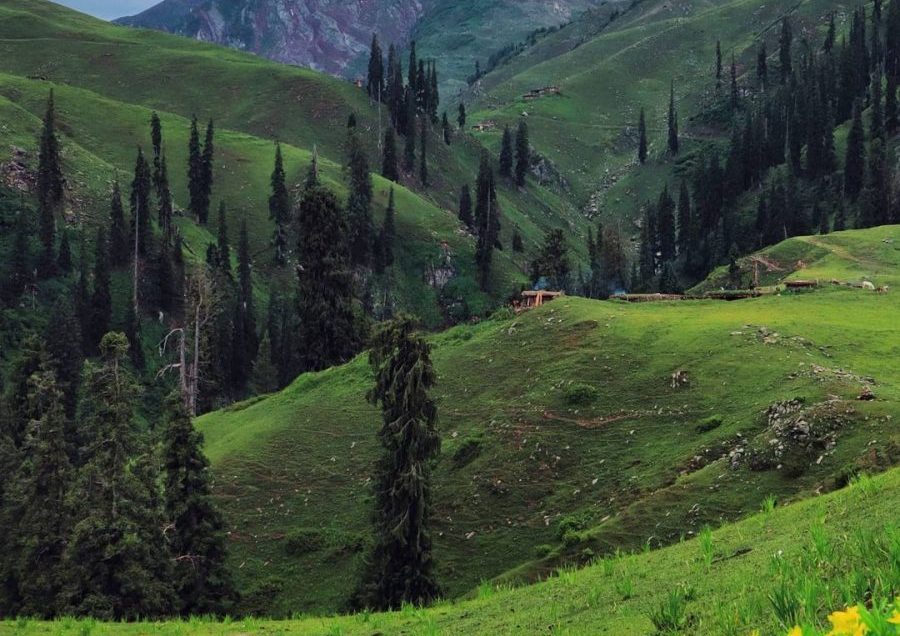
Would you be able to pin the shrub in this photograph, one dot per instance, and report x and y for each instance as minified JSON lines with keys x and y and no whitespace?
{"x":708,"y":424}
{"x":671,"y":615}
{"x":579,"y":393}
{"x":466,"y":453}
{"x":302,"y":542}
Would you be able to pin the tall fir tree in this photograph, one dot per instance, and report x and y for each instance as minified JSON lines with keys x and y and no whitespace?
{"x":876,"y":107}
{"x":50,"y":187}
{"x":735,"y":91}
{"x":785,"y":54}
{"x":762,"y":66}
{"x":359,"y":203}
{"x":195,"y":171}
{"x":389,"y":157}
{"x":279,"y":209}
{"x":461,"y":116}
{"x":101,"y":297}
{"x":156,"y":141}
{"x":196,"y":540}
{"x":855,"y":158}
{"x":119,"y":242}
{"x":718,"y":64}
{"x":487,"y":220}
{"x":506,"y":153}
{"x":685,"y":220}
{"x":523,"y":153}
{"x":401,"y":567}
{"x":244,"y":339}
{"x":891,"y":110}
{"x":116,"y":560}
{"x":445,"y":129}
{"x":141,"y":185}
{"x":64,"y":258}
{"x":388,"y":232}
{"x":165,"y":205}
{"x":328,"y":332}
{"x":223,"y":245}
{"x":207,"y":164}
{"x":423,"y":152}
{"x":672,"y":121}
{"x":642,"y":137}
{"x":63,"y":337}
{"x":409,"y":148}
{"x":665,"y":224}
{"x":375,"y":83}
{"x":875,"y":201}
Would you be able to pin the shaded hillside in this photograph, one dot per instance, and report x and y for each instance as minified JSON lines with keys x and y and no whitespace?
{"x":574,"y":430}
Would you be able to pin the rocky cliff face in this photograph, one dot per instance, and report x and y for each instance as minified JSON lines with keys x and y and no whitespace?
{"x":327,"y":35}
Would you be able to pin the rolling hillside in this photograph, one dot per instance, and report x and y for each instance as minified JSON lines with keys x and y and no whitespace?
{"x":107,"y":87}
{"x":721,"y":583}
{"x":592,"y":426}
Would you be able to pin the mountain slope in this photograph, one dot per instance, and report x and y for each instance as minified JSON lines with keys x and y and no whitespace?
{"x":779,"y":551}
{"x":335,"y":36}
{"x":575,"y":430}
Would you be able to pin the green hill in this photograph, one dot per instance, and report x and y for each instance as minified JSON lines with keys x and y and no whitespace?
{"x":576,"y":430}
{"x":109,"y":79}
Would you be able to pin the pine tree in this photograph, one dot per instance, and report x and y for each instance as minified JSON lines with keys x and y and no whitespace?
{"x":423,"y":154}
{"x":506,"y":153}
{"x":119,"y":243}
{"x":855,"y":159}
{"x":642,"y":138}
{"x":195,"y":171}
{"x":140,"y":203}
{"x":735,"y":92}
{"x":784,"y":50}
{"x":265,"y":375}
{"x":517,"y":245}
{"x":552,"y":261}
{"x":197,"y":539}
{"x":166,"y":208}
{"x":523,"y":153}
{"x":685,"y":220}
{"x":461,"y":116}
{"x":445,"y":128}
{"x":64,"y":259}
{"x":20,"y":272}
{"x":63,"y":338}
{"x":487,"y":220}
{"x":465,"y":207}
{"x":375,"y":84}
{"x":389,"y":157}
{"x":206,"y":174}
{"x":101,"y":298}
{"x":388,"y":233}
{"x":82,"y":298}
{"x":412,"y":81}
{"x":762,"y":67}
{"x":50,"y":186}
{"x":244,"y":339}
{"x":115,"y":558}
{"x":156,"y":141}
{"x":312,"y":173}
{"x":401,"y":565}
{"x":422,"y":87}
{"x":328,"y":332}
{"x":38,"y":504}
{"x":876,"y":123}
{"x":359,"y":202}
{"x":875,"y":202}
{"x":668,"y":280}
{"x":673,"y":121}
{"x":665,"y":224}
{"x":132,"y":324}
{"x":279,"y":209}
{"x":828,"y":45}
{"x":891,"y":110}
{"x":223,"y":248}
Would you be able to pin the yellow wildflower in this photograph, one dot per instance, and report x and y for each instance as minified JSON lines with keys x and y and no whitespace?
{"x":796,"y":631}
{"x":895,"y":619}
{"x":847,"y":623}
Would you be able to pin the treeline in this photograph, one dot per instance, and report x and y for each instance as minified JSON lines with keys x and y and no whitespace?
{"x":782,"y":152}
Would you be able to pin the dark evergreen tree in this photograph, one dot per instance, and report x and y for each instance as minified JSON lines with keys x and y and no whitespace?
{"x":196,"y":540}
{"x":359,"y":203}
{"x":195,"y":172}
{"x":140,"y":204}
{"x":523,"y":153}
{"x":665,"y":226}
{"x":673,"y":122}
{"x":409,"y":148}
{"x":552,"y":261}
{"x":116,"y":561}
{"x":50,"y":187}
{"x":891,"y":110}
{"x":855,"y":158}
{"x":206,"y":172}
{"x":401,"y":568}
{"x":279,"y":209}
{"x":762,"y":66}
{"x":132,"y":331}
{"x":18,"y":408}
{"x":223,"y":247}
{"x":412,"y":81}
{"x":465,"y":207}
{"x":63,"y":338}
{"x":517,"y":245}
{"x":389,"y":158}
{"x":718,"y":64}
{"x":642,"y":137}
{"x":166,"y":208}
{"x":264,"y":378}
{"x":828,"y":45}
{"x":461,"y":116}
{"x":37,"y":503}
{"x":875,"y":202}
{"x":64,"y":259}
{"x":685,"y":220}
{"x":506,"y":153}
{"x":388,"y":233}
{"x":375,"y":84}
{"x":784,"y":50}
{"x":119,"y":242}
{"x":156,"y":141}
{"x":487,"y":220}
{"x":735,"y":92}
{"x":876,"y":107}
{"x":445,"y":128}
{"x":422,"y":88}
{"x":244,"y":342}
{"x":82,"y":298}
{"x":328,"y":332}
{"x":668,"y":280}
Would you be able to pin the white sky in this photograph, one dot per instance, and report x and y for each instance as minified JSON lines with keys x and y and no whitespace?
{"x":109,"y":9}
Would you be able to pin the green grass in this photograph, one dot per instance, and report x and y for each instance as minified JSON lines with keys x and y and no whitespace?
{"x":768,"y":569}
{"x":536,"y":471}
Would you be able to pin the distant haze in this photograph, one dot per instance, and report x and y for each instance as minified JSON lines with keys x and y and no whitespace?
{"x":109,"y":9}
